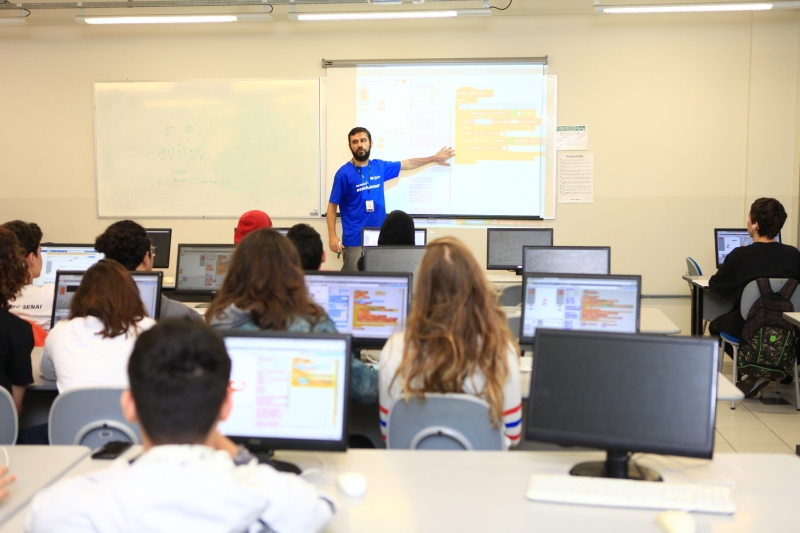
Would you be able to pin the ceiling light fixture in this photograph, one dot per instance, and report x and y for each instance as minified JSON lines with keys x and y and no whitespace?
{"x":383,"y":15}
{"x":173,"y":19}
{"x":687,"y":8}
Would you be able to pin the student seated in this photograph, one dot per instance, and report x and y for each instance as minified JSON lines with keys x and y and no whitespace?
{"x":309,"y":245}
{"x":456,"y":341}
{"x":397,"y":230}
{"x":16,"y":335}
{"x":34,"y":304}
{"x":251,"y":221}
{"x":127,"y":243}
{"x":190,"y":477}
{"x":765,"y":258}
{"x":91,"y":348}
{"x":265,"y":289}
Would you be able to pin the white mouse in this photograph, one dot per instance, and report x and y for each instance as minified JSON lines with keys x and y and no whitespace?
{"x":352,"y":484}
{"x":676,"y":522}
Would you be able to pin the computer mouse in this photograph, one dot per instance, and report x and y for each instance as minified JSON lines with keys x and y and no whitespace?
{"x":352,"y":484}
{"x":676,"y":522}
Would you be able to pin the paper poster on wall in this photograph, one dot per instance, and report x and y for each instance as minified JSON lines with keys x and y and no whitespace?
{"x":575,"y":178}
{"x":572,"y":137}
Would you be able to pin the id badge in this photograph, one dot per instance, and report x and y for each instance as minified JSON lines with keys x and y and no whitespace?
{"x":370,"y":206}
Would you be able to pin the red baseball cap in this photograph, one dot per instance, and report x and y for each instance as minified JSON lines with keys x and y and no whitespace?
{"x":251,"y":221}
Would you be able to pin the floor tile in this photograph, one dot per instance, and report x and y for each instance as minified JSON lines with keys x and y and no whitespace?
{"x":740,"y":420}
{"x":762,"y":448}
{"x":749,"y":436}
{"x":754,"y":405}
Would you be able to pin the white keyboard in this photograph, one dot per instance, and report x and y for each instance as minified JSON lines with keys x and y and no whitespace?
{"x":607,"y":492}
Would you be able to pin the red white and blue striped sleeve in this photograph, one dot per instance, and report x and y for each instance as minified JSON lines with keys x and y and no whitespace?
{"x":512,"y":408}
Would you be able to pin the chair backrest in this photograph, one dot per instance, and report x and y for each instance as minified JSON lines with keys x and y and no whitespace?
{"x":442,"y":422}
{"x":751,"y":294}
{"x":510,"y":295}
{"x":9,"y":422}
{"x":514,"y":325}
{"x":693,"y":268}
{"x":90,"y":417}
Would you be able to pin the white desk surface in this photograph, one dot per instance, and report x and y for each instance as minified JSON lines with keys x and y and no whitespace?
{"x":439,"y":491}
{"x":35,"y":467}
{"x":700,"y":281}
{"x":793,"y":318}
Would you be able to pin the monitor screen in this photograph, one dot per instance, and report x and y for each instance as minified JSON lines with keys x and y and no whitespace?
{"x":57,"y":257}
{"x":369,"y":306}
{"x":619,"y":392}
{"x":202,"y":267}
{"x":728,"y":239}
{"x":567,"y":259}
{"x":161,"y":239}
{"x":393,"y":258}
{"x":290,"y":391}
{"x":369,"y":236}
{"x":282,"y":231}
{"x":579,"y":302}
{"x":504,"y":245}
{"x":68,"y":281}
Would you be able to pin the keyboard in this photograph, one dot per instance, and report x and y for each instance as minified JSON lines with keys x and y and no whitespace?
{"x":606,"y":492}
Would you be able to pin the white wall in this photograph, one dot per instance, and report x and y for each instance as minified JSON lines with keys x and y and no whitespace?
{"x":691,"y":116}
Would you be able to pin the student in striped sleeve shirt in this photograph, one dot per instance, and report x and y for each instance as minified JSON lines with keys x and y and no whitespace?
{"x":456,"y":340}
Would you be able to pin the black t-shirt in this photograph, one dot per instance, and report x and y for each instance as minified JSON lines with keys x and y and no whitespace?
{"x":16,"y":345}
{"x":758,"y":260}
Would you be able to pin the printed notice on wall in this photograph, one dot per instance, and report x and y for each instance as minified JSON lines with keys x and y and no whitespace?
{"x":575,"y":178}
{"x":572,"y":138}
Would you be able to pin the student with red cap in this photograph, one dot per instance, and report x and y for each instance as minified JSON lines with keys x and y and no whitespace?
{"x":251,"y":221}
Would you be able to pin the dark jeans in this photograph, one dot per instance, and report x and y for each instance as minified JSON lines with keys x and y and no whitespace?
{"x":730,"y":323}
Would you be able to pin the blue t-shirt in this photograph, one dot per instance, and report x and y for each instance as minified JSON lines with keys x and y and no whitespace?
{"x":352,"y":187}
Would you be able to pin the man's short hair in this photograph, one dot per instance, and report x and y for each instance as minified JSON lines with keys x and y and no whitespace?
{"x":125,"y":242}
{"x":359,"y":130}
{"x":770,"y":216}
{"x":308,"y":243}
{"x":179,"y":373}
{"x":29,"y":235}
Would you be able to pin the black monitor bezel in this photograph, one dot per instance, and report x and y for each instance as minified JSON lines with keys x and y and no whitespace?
{"x":565,"y":438}
{"x":490,"y":266}
{"x":370,"y":228}
{"x":160,"y":282}
{"x":197,"y":292}
{"x":59,"y":273}
{"x":627,"y":277}
{"x":569,"y":248}
{"x":716,"y":241}
{"x":264,"y":444}
{"x":368,"y":250}
{"x":371,"y":342}
{"x":156,"y":261}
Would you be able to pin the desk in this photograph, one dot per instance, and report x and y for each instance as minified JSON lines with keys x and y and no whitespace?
{"x":705,"y":304}
{"x":439,"y":491}
{"x":793,"y":318}
{"x":36,"y":467}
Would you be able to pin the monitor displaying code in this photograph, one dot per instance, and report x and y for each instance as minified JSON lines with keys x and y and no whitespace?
{"x":203,"y":268}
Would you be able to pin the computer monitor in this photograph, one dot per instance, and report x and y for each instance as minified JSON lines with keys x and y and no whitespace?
{"x":726,"y":240}
{"x":567,"y":259}
{"x":68,"y":281}
{"x":622,"y":393}
{"x":369,"y":236}
{"x":202,"y":268}
{"x":57,"y":257}
{"x":587,"y":302}
{"x":504,"y":246}
{"x":290,"y":391}
{"x":282,"y":231}
{"x":393,"y":258}
{"x":161,"y":239}
{"x":370,"y":306}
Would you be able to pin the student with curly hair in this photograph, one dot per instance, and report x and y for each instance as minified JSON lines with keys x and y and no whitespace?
{"x":34,"y":304}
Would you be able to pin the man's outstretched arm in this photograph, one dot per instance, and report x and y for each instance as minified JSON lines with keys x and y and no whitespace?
{"x":440,"y":158}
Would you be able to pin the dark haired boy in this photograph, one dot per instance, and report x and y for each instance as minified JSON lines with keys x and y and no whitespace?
{"x":309,"y":244}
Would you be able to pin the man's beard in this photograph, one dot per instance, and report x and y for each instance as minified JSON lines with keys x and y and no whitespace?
{"x":360,"y":158}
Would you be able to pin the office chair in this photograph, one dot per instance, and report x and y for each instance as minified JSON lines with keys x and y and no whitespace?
{"x":9,"y":422}
{"x":693,"y":268}
{"x":510,"y":296}
{"x":90,"y":417}
{"x":749,"y":297}
{"x":443,"y":422}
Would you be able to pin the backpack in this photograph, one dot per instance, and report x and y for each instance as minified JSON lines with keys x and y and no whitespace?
{"x":767,"y":343}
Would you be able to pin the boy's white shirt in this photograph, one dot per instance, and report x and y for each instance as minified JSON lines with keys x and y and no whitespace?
{"x":35,"y":304}
{"x":180,"y":488}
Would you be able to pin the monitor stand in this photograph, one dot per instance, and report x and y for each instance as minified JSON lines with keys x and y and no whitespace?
{"x":281,"y":466}
{"x":617,"y":465}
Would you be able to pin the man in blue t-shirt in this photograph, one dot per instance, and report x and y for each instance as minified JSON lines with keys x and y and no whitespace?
{"x":358,"y":192}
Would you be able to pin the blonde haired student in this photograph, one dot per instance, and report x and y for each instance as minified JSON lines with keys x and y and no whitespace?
{"x":456,"y":341}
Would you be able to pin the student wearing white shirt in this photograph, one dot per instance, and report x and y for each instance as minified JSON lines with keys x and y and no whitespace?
{"x":456,"y":340}
{"x":34,"y":304}
{"x":190,"y":477}
{"x":92,"y":347}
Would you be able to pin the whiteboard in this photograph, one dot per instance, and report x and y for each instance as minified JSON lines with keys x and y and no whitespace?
{"x":213,"y":148}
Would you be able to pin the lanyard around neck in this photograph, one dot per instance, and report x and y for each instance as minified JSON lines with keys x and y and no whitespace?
{"x":369,"y":173}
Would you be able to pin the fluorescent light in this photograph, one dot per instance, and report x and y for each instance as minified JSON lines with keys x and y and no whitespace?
{"x":13,"y":21}
{"x":381,"y":15}
{"x":173,"y":19}
{"x":681,"y":8}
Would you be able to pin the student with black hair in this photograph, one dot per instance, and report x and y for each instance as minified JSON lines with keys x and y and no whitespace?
{"x":34,"y":304}
{"x":190,"y":477}
{"x":128,"y":243}
{"x":397,"y":230}
{"x":309,"y":245}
